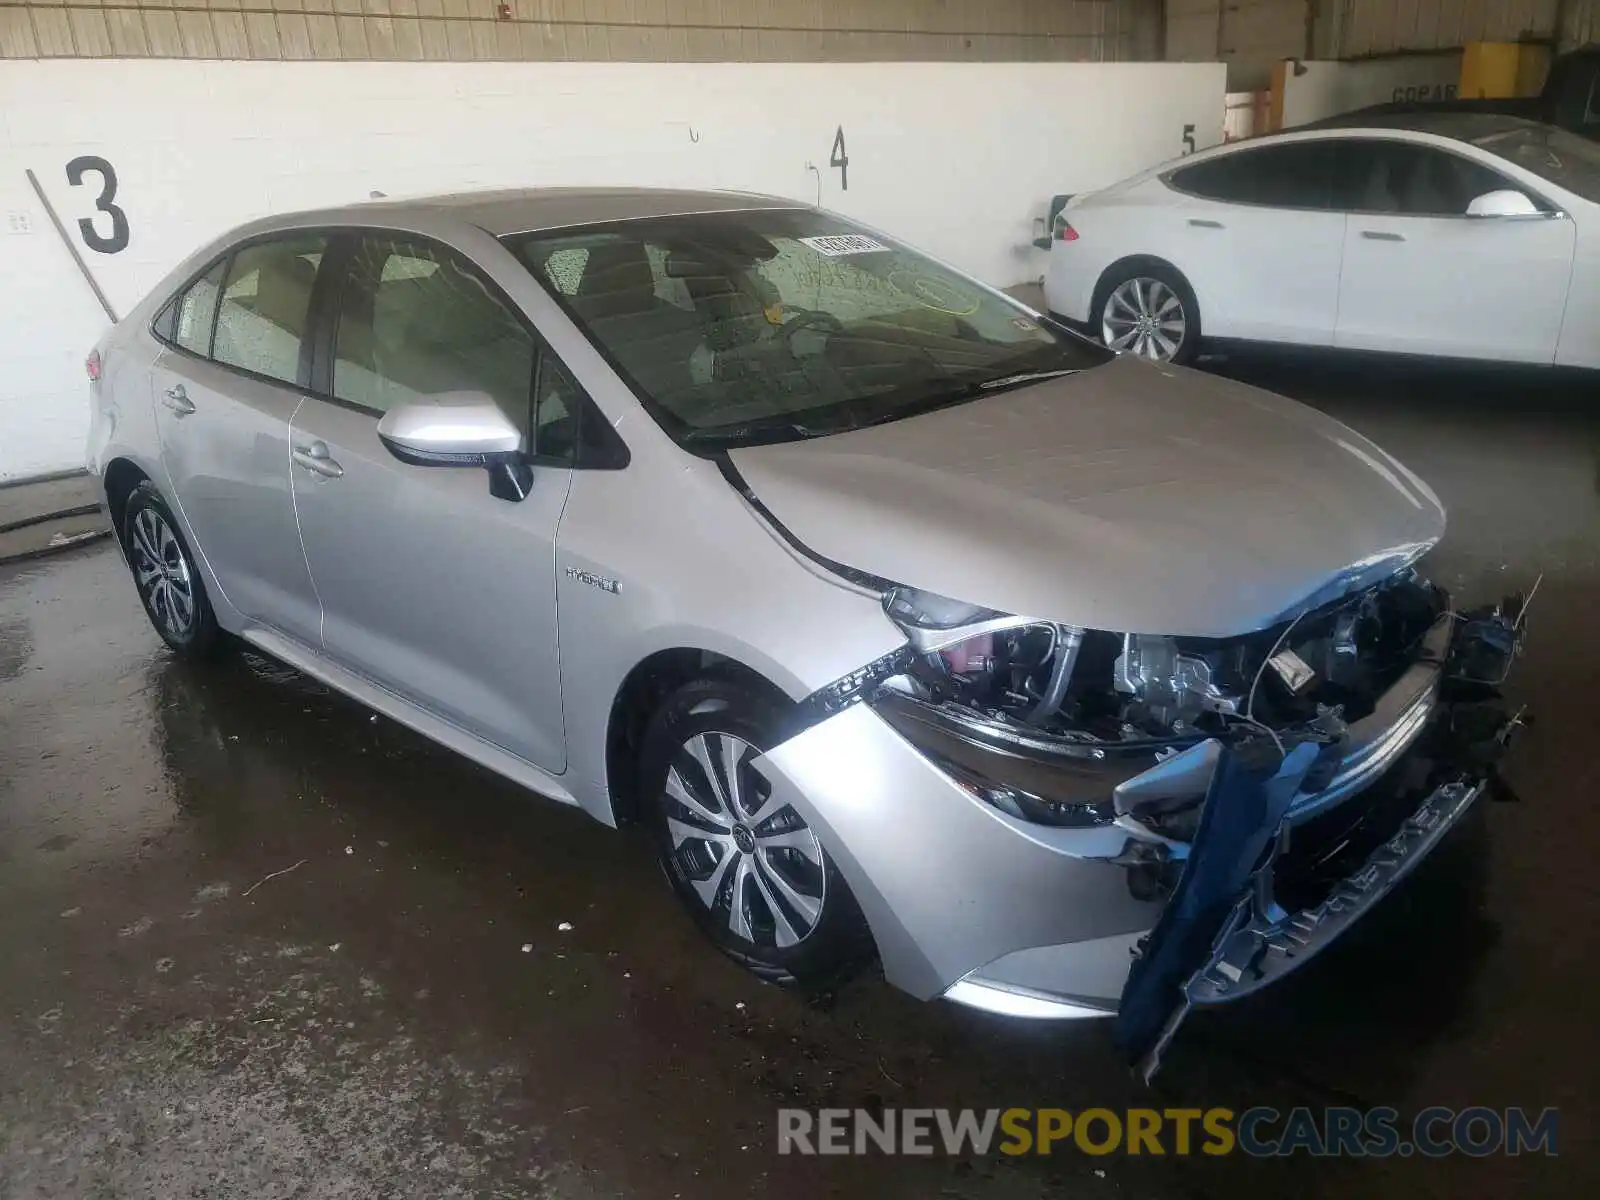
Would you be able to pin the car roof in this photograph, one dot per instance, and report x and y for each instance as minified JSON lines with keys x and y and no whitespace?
{"x":526,"y":210}
{"x":1455,"y":125}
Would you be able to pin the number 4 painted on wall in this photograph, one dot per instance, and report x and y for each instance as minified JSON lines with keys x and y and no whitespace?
{"x":840,"y":159}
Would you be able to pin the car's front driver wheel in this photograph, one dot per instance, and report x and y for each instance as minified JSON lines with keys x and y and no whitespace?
{"x":1149,"y":310}
{"x":170,"y":588}
{"x":751,"y":872}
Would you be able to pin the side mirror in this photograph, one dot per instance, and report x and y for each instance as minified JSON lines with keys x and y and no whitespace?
{"x":459,"y":429}
{"x":1507,"y":202}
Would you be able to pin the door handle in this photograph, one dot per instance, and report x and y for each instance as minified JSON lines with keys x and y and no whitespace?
{"x":315,"y":458}
{"x":178,"y":400}
{"x":1202,"y":223}
{"x":1382,"y":235}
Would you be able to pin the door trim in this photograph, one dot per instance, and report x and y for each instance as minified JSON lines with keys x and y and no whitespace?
{"x":451,"y":736}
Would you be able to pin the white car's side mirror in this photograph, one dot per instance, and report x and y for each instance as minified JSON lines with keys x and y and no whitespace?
{"x":1507,"y":202}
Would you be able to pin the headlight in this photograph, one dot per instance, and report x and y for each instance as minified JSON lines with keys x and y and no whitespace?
{"x":932,"y":622}
{"x":913,"y":608}
{"x":1046,"y":784}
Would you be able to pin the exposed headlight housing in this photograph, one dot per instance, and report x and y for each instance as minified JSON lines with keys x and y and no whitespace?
{"x":913,"y":608}
{"x":933,"y":623}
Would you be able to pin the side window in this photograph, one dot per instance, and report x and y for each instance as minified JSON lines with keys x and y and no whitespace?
{"x":166,"y":320}
{"x":557,"y":411}
{"x":1297,"y":175}
{"x":262,"y":316}
{"x":1227,"y":178}
{"x":1293,"y":175}
{"x":416,"y":321}
{"x":196,"y":312}
{"x":1413,"y":180}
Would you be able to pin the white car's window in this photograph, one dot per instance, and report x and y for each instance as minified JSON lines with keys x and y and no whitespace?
{"x":764,"y":325}
{"x":262,"y":317}
{"x":1287,"y":175}
{"x":1565,"y":159}
{"x":415,"y":321}
{"x":197,"y":313}
{"x":1387,"y":176}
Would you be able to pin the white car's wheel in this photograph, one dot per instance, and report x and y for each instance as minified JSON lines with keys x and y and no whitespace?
{"x":1149,"y":310}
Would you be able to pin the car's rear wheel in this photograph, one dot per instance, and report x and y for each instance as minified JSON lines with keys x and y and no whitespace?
{"x":1149,"y":309}
{"x":750,"y":870}
{"x":164,"y":571}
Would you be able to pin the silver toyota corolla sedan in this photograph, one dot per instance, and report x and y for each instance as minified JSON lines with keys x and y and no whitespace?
{"x":909,"y":624}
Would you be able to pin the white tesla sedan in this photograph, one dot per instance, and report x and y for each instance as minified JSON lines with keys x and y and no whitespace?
{"x":1461,"y":235}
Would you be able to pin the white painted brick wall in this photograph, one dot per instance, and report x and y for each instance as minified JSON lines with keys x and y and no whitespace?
{"x":956,"y":157}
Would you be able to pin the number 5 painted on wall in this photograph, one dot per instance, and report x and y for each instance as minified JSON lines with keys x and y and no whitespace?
{"x":1188,"y":139}
{"x":76,"y":169}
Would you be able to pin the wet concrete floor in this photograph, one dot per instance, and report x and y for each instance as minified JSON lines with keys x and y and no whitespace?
{"x":255,"y":941}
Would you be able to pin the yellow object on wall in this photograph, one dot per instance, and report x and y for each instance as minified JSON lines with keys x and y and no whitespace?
{"x":1498,"y":70}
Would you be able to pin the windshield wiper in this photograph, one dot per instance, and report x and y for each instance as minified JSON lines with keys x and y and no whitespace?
{"x":1009,"y":381}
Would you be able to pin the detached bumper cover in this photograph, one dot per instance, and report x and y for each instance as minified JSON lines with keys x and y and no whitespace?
{"x":1044,"y":920}
{"x":1260,"y":947}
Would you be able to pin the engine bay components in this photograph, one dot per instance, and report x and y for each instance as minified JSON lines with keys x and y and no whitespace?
{"x":1033,"y":679}
{"x":1175,"y":688}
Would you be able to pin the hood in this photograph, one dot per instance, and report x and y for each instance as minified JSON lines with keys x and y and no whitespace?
{"x":1134,"y":497}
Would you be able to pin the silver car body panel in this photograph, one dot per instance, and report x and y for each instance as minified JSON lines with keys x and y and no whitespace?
{"x":947,"y":882}
{"x":397,"y":708}
{"x":430,"y":615}
{"x":1130,"y":497}
{"x":1137,"y":497}
{"x":225,"y":461}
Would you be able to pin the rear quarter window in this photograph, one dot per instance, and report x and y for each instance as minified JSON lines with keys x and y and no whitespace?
{"x":1288,"y":175}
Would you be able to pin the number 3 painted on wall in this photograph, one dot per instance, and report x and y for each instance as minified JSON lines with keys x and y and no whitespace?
{"x":108,"y":192}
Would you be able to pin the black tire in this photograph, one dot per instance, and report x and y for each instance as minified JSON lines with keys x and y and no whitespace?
{"x":724,"y":712}
{"x":171,"y":590}
{"x":1150,"y":272}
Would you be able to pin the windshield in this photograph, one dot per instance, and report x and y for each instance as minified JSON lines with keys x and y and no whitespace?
{"x":749,"y":327}
{"x":1565,"y":159}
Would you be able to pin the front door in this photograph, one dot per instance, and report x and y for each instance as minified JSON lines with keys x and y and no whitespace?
{"x":1422,"y":277}
{"x":1257,"y":233}
{"x":430,"y":586}
{"x":224,"y":393}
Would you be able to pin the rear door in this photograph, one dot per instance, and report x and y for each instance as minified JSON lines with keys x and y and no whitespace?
{"x":1422,"y":277}
{"x":430,"y":586}
{"x":231,"y":377}
{"x":1258,"y":238}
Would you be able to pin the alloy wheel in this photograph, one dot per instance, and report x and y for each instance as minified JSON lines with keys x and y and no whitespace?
{"x":1146,"y":316}
{"x":754,"y":863}
{"x":161,"y":571}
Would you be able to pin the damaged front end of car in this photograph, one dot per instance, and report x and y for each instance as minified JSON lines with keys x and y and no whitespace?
{"x":1218,"y":808}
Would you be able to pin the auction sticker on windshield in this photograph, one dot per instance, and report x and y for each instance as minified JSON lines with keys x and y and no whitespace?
{"x":838,"y":244}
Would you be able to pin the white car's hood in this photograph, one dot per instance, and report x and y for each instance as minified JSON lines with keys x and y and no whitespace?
{"x":1133,"y":497}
